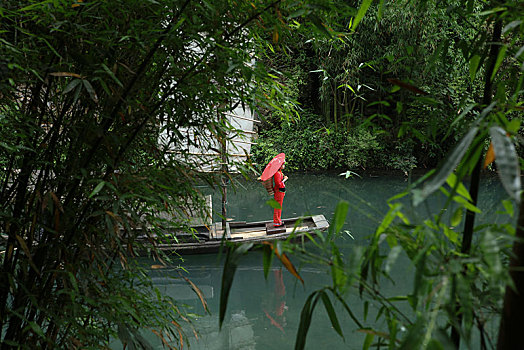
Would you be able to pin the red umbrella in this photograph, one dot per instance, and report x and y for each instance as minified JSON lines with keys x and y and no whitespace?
{"x":273,"y":166}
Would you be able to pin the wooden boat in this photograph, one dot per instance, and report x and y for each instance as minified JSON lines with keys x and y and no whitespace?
{"x":209,"y":239}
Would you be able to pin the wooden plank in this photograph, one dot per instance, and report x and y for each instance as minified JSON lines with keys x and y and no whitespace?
{"x":271,"y":229}
{"x":320,"y":222}
{"x":228,"y":231}
{"x":233,"y":224}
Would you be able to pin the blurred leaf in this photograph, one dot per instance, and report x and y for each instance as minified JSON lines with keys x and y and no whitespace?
{"x":514,"y":125}
{"x":36,"y":328}
{"x":407,"y":86}
{"x":500,"y":58}
{"x":90,"y":90}
{"x":305,"y":320}
{"x":319,"y":25}
{"x":368,"y":341}
{"x":25,"y":248}
{"x":285,"y":260}
{"x":273,"y":204}
{"x":507,"y":162}
{"x":388,"y":218}
{"x":337,"y":269}
{"x":230,"y":266}
{"x":73,"y":84}
{"x":457,"y":217}
{"x":413,"y":340}
{"x":339,"y":217}
{"x":454,"y":183}
{"x":331,"y":313}
{"x":199,"y":293}
{"x":66,"y":74}
{"x":473,"y":66}
{"x":449,"y":165}
{"x":97,"y":189}
{"x":511,"y":25}
{"x":112,"y":75}
{"x":490,"y":155}
{"x":508,"y":206}
{"x":380,"y":10}
{"x":392,"y":257}
{"x":360,"y":14}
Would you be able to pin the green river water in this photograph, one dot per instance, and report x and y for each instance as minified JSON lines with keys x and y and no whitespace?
{"x":264,"y":314}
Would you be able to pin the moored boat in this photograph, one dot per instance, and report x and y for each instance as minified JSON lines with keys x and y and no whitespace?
{"x":210,"y":238}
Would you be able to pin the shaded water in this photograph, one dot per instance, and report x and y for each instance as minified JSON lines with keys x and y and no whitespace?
{"x":264,"y":314}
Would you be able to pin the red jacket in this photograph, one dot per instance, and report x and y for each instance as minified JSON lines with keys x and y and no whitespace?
{"x":279,"y":183}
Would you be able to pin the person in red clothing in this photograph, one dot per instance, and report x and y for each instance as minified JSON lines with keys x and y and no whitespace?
{"x":280,"y":191}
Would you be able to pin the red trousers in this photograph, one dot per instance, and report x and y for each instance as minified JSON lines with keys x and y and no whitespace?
{"x":277,"y":213}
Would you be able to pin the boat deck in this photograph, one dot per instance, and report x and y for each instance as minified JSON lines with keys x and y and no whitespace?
{"x":210,"y":239}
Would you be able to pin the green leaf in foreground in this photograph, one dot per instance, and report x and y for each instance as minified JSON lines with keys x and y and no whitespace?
{"x":449,"y":165}
{"x":230,"y":267}
{"x":331,"y":313}
{"x":507,"y":161}
{"x":360,"y":14}
{"x":305,"y":320}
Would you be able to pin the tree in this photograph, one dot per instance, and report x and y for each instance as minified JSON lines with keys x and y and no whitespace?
{"x":86,"y":89}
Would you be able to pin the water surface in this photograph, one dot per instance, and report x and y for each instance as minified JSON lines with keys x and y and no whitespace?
{"x":264,"y":314}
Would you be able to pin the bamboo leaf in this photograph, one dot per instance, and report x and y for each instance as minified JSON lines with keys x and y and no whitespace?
{"x":285,"y":261}
{"x":339,"y":217}
{"x":37,"y":329}
{"x":112,"y":75}
{"x":460,"y":188}
{"x":457,"y":216}
{"x":511,"y":25}
{"x":73,"y":84}
{"x":97,"y":189}
{"x":305,"y":320}
{"x":368,"y":341}
{"x":361,"y":13}
{"x":508,"y":206}
{"x":25,"y":248}
{"x":199,"y":293}
{"x":498,"y":62}
{"x":473,"y":66}
{"x":347,"y":308}
{"x":449,"y":165}
{"x":230,"y":267}
{"x":273,"y":204}
{"x":90,"y":90}
{"x":392,"y":257}
{"x":66,"y":74}
{"x":490,"y":155}
{"x":331,"y":313}
{"x":318,"y":23}
{"x":507,"y":161}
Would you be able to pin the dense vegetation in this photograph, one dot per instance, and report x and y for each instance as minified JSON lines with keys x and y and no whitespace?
{"x":86,"y":90}
{"x":88,"y":87}
{"x":385,"y":96}
{"x":418,"y":83}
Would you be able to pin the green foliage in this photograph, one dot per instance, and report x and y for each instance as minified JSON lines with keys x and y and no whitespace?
{"x":87,"y":89}
{"x":309,"y":148}
{"x":455,"y":73}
